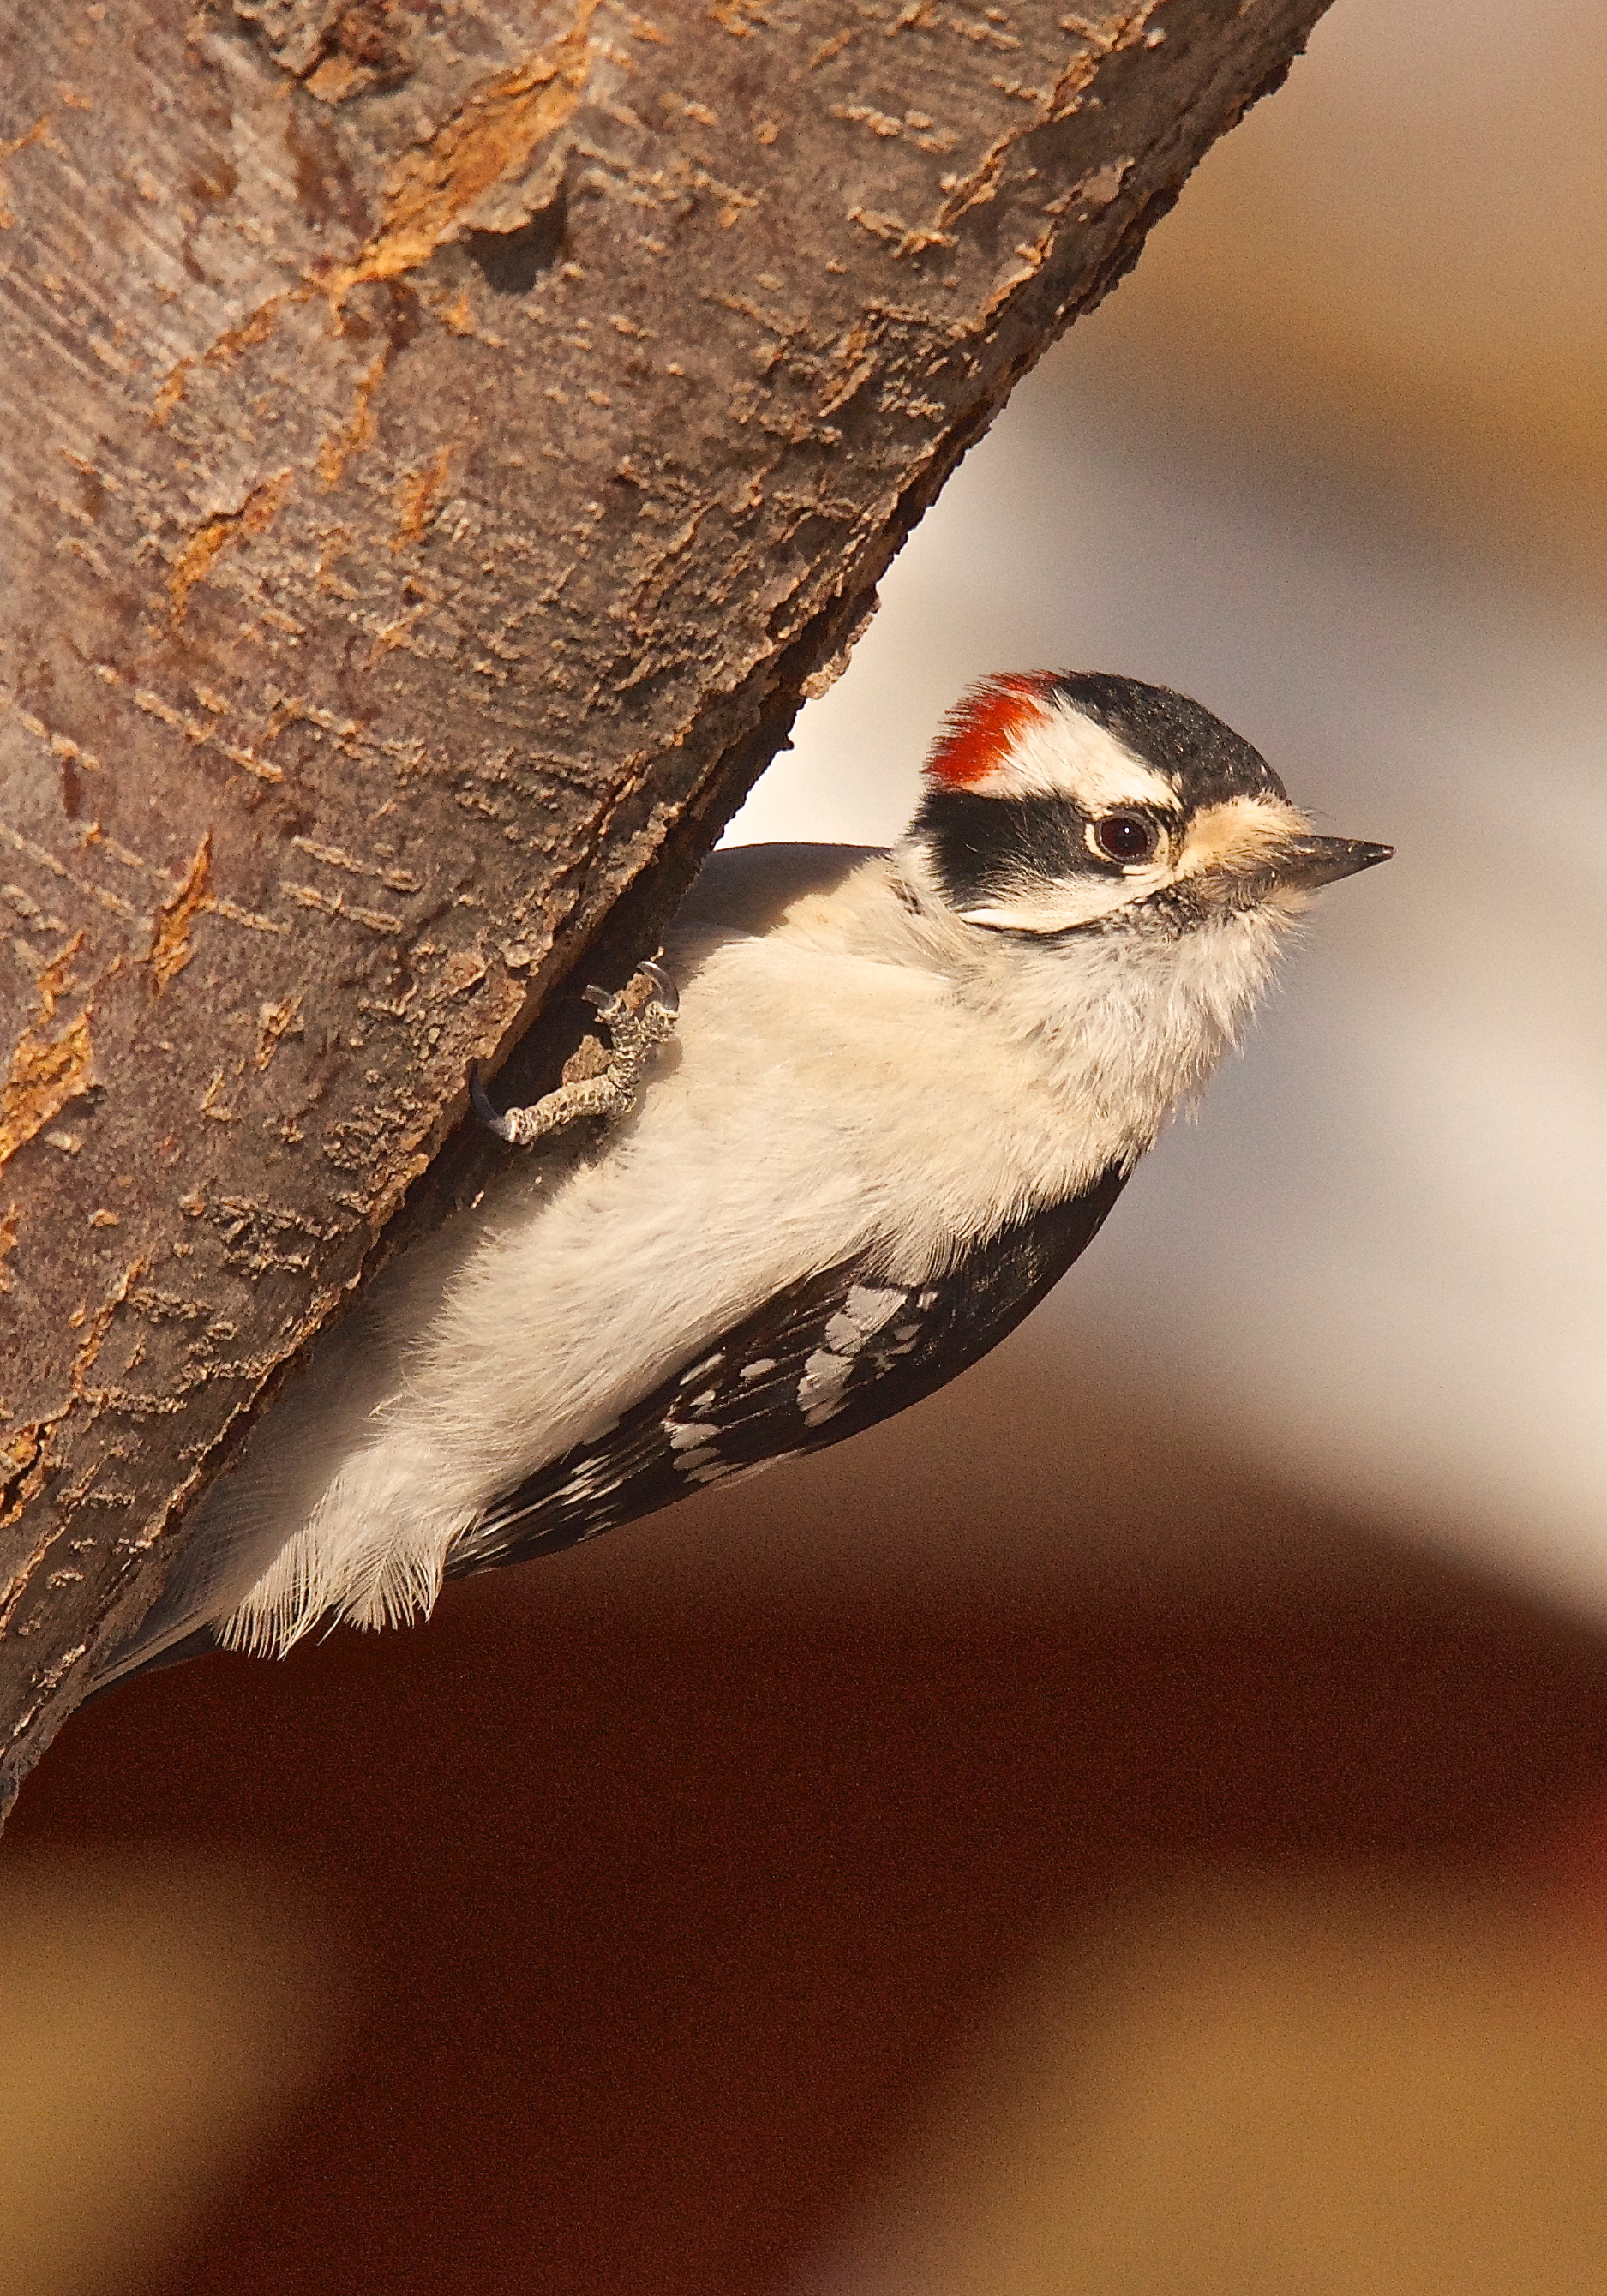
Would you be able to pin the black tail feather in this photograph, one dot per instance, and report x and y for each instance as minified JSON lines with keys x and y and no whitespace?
{"x":192,"y":1645}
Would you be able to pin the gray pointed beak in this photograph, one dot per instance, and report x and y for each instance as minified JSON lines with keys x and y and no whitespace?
{"x":1308,"y":861}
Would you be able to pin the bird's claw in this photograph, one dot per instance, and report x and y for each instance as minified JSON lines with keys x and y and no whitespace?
{"x":615,"y":1003}
{"x":635,"y":1023}
{"x":668,"y":995}
{"x":483,"y":1106}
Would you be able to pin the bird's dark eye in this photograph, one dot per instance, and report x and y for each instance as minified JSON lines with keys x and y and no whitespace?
{"x":1126,"y":837}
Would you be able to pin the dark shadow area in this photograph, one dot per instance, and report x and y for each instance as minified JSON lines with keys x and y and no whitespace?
{"x":511,"y":261}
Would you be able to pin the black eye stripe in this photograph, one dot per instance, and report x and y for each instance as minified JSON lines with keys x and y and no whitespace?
{"x":985,"y":845}
{"x":982,"y":846}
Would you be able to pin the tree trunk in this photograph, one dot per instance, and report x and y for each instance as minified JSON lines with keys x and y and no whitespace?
{"x":444,"y":445}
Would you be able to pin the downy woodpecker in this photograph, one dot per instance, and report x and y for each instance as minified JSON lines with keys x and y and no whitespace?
{"x":904,"y":1089}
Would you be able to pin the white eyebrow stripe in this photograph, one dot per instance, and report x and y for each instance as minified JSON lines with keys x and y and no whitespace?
{"x":1058,"y":752}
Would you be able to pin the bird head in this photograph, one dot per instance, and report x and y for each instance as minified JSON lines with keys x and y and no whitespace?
{"x":1060,"y":805}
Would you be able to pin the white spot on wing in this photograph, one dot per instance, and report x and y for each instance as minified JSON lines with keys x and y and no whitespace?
{"x":700,"y":1370}
{"x":683,"y":1437}
{"x":756,"y":1370}
{"x":590,"y":1481}
{"x":824,"y":1377}
{"x":870,"y":1308}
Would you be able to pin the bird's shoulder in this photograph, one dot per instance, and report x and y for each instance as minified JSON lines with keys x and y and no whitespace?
{"x":749,"y":887}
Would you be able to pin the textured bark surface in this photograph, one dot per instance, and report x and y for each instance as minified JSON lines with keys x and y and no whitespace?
{"x":441,"y":443}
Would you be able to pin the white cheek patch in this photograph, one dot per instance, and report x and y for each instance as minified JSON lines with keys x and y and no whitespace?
{"x":1058,"y":752}
{"x":1055,"y":905}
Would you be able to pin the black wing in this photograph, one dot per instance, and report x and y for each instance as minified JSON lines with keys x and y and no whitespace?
{"x":823,"y":1359}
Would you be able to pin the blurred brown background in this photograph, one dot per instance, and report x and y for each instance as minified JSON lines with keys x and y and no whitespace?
{"x":1140,"y":1822}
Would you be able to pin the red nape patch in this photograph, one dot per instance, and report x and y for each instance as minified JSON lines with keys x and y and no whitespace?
{"x":977,"y":733}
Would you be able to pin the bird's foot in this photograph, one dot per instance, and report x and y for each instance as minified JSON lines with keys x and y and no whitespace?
{"x":596,"y":1082}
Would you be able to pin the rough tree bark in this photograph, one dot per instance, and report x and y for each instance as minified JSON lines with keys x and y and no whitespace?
{"x":442,"y":444}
